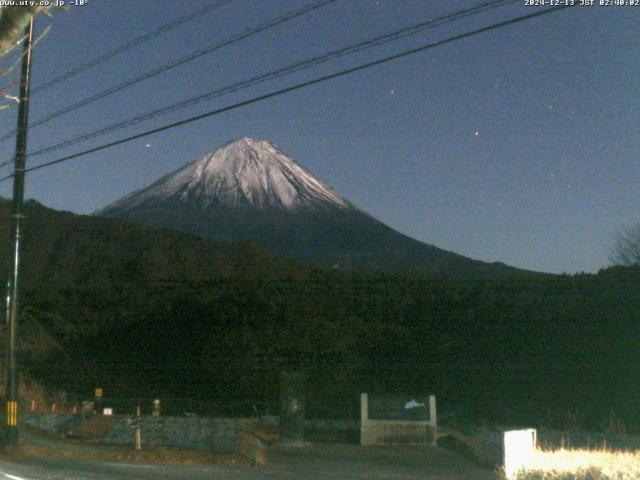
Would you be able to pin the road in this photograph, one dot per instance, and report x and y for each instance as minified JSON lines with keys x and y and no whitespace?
{"x":320,"y":462}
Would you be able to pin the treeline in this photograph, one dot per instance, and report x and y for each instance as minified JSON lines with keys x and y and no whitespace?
{"x":505,"y":349}
{"x":144,"y":312}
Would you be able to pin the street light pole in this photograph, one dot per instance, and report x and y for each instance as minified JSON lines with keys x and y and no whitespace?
{"x":11,"y":387}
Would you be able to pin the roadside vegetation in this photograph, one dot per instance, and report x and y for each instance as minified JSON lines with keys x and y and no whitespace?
{"x":583,"y":464}
{"x":149,"y":313}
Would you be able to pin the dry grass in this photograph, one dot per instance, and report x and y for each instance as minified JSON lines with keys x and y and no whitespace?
{"x":82,"y":449}
{"x":154,"y":455}
{"x":95,"y":427}
{"x":583,"y":464}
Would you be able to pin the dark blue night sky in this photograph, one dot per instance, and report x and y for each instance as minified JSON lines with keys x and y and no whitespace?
{"x":518,"y":145}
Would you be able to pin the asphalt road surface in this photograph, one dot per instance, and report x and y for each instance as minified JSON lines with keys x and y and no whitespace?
{"x":322,"y":461}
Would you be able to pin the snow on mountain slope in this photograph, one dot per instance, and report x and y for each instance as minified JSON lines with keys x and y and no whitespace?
{"x":246,"y":172}
{"x":248,"y":190}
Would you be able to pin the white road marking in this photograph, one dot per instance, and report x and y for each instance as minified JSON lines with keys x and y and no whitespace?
{"x":195,"y":467}
{"x":13,"y":477}
{"x":134,"y":465}
{"x":354,"y":475}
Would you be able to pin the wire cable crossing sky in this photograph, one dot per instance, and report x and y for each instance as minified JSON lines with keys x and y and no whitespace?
{"x":297,"y":66}
{"x":176,"y":63}
{"x":129,"y":45}
{"x":513,"y":146}
{"x":290,"y":89}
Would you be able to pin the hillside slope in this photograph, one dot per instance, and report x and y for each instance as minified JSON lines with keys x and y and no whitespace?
{"x":249,"y":190}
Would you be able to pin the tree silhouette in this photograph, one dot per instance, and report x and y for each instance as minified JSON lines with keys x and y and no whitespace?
{"x":626,"y":249}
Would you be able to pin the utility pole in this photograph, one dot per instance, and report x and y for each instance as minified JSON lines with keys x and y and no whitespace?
{"x":11,"y":387}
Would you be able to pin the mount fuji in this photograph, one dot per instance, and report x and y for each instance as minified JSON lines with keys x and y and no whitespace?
{"x":249,"y":190}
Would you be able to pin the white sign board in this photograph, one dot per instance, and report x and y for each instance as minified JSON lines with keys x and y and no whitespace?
{"x":107,"y":411}
{"x":519,"y":447}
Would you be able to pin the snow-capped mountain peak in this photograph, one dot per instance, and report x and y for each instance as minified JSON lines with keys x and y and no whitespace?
{"x":249,"y":190}
{"x":246,"y":172}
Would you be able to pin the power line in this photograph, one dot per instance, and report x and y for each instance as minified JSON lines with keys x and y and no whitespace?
{"x":298,"y":86}
{"x":176,"y":63}
{"x":129,"y":45}
{"x":291,"y":68}
{"x":123,"y":48}
{"x":287,"y":70}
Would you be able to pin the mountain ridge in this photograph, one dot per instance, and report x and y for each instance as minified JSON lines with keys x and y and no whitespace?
{"x":245,"y":172}
{"x":249,"y":190}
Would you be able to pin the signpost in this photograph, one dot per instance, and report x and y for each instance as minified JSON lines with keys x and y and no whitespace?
{"x":98,"y":399}
{"x":519,"y":450}
{"x":136,"y":424}
{"x":292,"y":404}
{"x":138,"y":430}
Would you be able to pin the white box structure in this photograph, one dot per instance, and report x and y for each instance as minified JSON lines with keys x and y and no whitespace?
{"x":519,"y":448}
{"x":394,"y":431}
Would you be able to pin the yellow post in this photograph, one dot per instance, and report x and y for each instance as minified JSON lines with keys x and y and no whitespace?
{"x":12,"y":413}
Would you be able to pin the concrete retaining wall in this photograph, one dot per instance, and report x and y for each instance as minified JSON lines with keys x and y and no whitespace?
{"x":58,"y":424}
{"x":217,"y":434}
{"x":397,"y":432}
{"x":201,"y":433}
{"x":393,"y":431}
